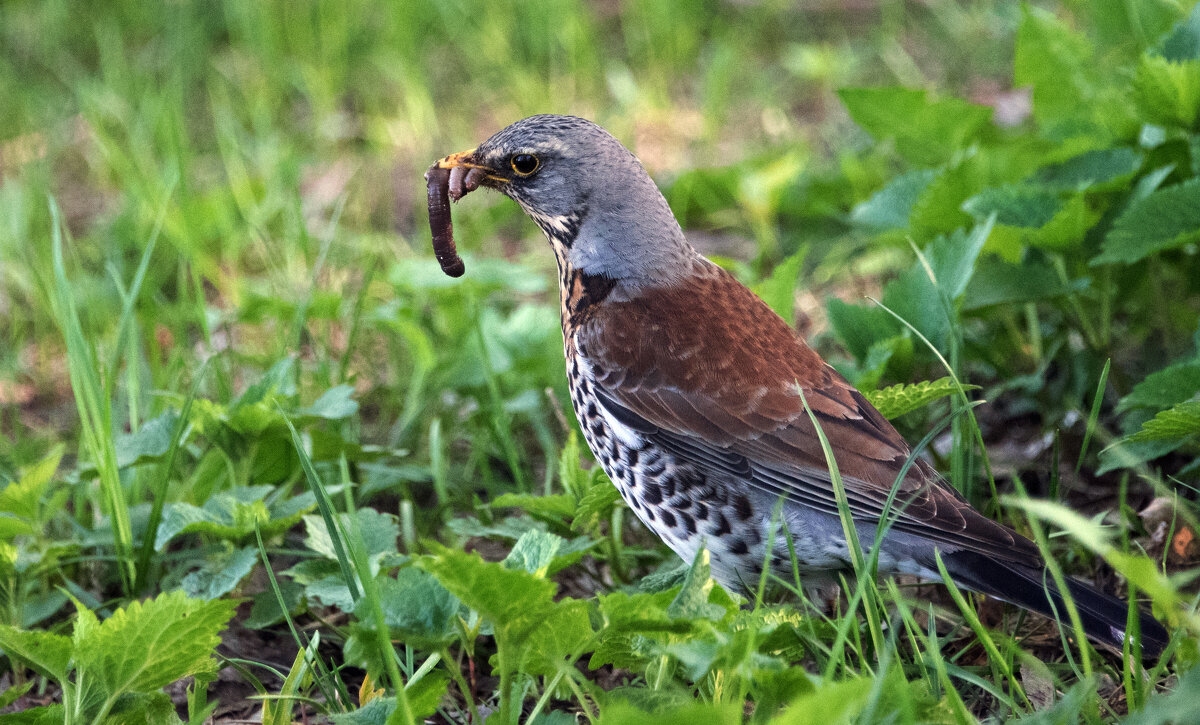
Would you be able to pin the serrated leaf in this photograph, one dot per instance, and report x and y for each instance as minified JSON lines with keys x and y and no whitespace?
{"x":149,"y":443}
{"x":536,"y":630}
{"x":1168,"y":92}
{"x":220,"y":574}
{"x":1183,"y":42}
{"x":47,"y":653}
{"x":1057,"y":61}
{"x":1093,"y":168}
{"x":926,"y":131}
{"x":891,"y":206}
{"x":829,"y":702}
{"x":1179,"y":423}
{"x":534,"y":552}
{"x":417,"y":608}
{"x":148,"y":645}
{"x":596,"y":504}
{"x":380,"y":533}
{"x":233,"y":515}
{"x":779,"y":289}
{"x":1000,"y":283}
{"x":687,"y":713}
{"x":23,"y":497}
{"x":1164,"y":388}
{"x":1164,"y":219}
{"x":334,"y":404}
{"x":896,"y":400}
{"x":859,"y":327}
{"x":553,"y":508}
{"x":692,"y":600}
{"x":1014,"y":205}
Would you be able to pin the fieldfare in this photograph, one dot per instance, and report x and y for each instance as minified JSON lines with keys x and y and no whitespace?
{"x":692,"y":393}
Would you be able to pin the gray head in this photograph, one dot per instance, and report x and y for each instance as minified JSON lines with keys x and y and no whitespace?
{"x":597,"y":205}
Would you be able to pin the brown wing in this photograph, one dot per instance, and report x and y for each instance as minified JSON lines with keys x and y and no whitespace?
{"x":720,"y":386}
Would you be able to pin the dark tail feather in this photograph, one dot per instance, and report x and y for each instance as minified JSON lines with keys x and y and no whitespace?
{"x":1103,"y":616}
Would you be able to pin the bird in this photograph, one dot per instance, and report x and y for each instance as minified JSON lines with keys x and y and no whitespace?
{"x":699,"y":401}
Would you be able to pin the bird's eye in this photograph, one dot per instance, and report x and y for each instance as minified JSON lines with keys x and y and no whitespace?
{"x":525,"y":164}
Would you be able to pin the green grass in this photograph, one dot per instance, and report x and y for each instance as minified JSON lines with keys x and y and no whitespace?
{"x":226,"y":349}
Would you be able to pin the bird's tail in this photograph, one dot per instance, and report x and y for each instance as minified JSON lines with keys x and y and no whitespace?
{"x":1103,"y":616}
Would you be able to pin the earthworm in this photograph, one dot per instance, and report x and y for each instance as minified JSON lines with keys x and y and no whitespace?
{"x":438,"y":193}
{"x":463,"y":180}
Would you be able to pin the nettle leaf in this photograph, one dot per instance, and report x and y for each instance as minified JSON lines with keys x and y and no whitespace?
{"x":1057,"y":61}
{"x":860,"y":327}
{"x":1168,"y":92}
{"x":1183,"y":42}
{"x":23,"y":497}
{"x":417,"y":608}
{"x":47,"y":653}
{"x":1164,"y":388}
{"x":692,"y":601}
{"x":595,"y":505}
{"x":926,"y":131}
{"x":554,"y":509}
{"x":1164,"y":219}
{"x":333,"y":404}
{"x":1179,"y":423}
{"x":233,"y":515}
{"x":534,"y":552}
{"x":380,"y":532}
{"x":220,"y":574}
{"x":1100,"y":167}
{"x":149,"y":443}
{"x":779,"y":290}
{"x":535,"y":630}
{"x":1014,"y":205}
{"x":891,"y":206}
{"x":896,"y":400}
{"x":148,"y":645}
{"x":997,"y":282}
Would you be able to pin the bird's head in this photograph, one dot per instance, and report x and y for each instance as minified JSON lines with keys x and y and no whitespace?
{"x":593,"y":199}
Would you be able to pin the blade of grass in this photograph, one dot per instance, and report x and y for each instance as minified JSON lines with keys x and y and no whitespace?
{"x":94,"y":403}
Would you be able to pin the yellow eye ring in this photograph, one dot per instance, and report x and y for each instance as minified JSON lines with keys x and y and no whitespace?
{"x":524,"y":164}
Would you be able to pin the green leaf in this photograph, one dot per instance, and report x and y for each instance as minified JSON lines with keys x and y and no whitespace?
{"x":49,"y":654}
{"x":1164,"y":219}
{"x":1058,"y":62}
{"x":1014,"y":205}
{"x":1165,"y":388}
{"x":595,"y":505}
{"x":506,"y":597}
{"x":692,"y":601}
{"x":926,"y":131}
{"x":689,"y":713}
{"x":233,"y":515}
{"x":1168,"y":92}
{"x":999,"y":283}
{"x":779,"y":290}
{"x":1183,"y":42}
{"x":334,"y":404}
{"x":49,"y":715}
{"x":828,"y":703}
{"x":534,"y":552}
{"x":380,"y":533}
{"x":417,"y":608}
{"x":1099,"y":167}
{"x":1180,"y":423}
{"x":891,"y":206}
{"x":23,"y":497}
{"x":896,"y":400}
{"x":148,"y":645}
{"x":859,"y":327}
{"x":149,"y":443}
{"x":220,"y":574}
